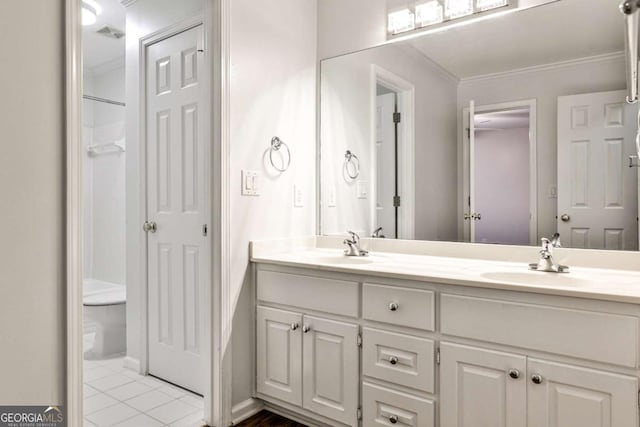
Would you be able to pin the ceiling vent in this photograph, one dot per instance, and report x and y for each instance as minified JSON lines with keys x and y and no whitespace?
{"x":111,"y":32}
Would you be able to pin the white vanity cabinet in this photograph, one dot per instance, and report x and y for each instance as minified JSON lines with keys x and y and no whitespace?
{"x":345,"y":349}
{"x":308,"y":360}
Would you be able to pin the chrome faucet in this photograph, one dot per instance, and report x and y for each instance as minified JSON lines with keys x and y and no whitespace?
{"x":547,"y":262}
{"x":377,"y":234}
{"x":353,"y":246}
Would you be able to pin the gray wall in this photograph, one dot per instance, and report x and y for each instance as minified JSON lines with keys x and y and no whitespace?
{"x":32,"y":153}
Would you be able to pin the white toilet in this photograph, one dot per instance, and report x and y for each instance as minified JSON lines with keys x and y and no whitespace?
{"x":104,"y":306}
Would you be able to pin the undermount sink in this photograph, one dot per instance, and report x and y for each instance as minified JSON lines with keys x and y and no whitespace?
{"x":534,"y":278}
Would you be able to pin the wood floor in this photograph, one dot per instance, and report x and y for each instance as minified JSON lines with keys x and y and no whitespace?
{"x":268,"y":419}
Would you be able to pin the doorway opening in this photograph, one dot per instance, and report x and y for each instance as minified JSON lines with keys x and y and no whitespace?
{"x":500,"y":193}
{"x":146,"y":260}
{"x":392,"y":156}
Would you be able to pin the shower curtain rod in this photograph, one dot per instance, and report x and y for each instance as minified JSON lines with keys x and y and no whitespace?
{"x":105,"y":100}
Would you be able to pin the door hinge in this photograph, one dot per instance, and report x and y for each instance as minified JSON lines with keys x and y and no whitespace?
{"x":468,"y":133}
{"x":359,"y":340}
{"x":397,"y":117}
{"x":437,"y":356}
{"x":205,"y":230}
{"x":359,"y":413}
{"x":396,"y":201}
{"x":639,"y":398}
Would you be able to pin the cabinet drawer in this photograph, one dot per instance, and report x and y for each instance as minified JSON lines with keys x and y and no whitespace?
{"x":398,"y":358}
{"x":400,"y":306}
{"x":384,"y":407}
{"x":602,"y":337}
{"x":314,"y":293}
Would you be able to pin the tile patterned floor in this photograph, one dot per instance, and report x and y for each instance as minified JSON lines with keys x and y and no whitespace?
{"x":116,"y":396}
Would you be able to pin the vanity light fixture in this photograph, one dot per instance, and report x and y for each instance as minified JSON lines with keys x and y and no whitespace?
{"x":90,"y":11}
{"x":401,"y":21}
{"x":429,"y":13}
{"x":457,"y":8}
{"x":432,"y":12}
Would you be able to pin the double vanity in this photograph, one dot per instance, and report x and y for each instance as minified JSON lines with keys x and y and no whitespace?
{"x":441,"y":334}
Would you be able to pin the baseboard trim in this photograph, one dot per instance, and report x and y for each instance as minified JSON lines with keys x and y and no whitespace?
{"x":133,"y":364}
{"x":245,"y":409}
{"x":294,"y":416}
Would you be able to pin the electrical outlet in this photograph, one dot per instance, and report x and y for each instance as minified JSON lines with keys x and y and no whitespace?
{"x":298,"y":196}
{"x":250,"y":183}
{"x":362,"y":189}
{"x":331,"y":196}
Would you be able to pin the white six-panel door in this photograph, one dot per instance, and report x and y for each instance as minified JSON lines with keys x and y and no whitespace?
{"x":477,"y":389}
{"x":178,"y":202}
{"x":597,"y":191}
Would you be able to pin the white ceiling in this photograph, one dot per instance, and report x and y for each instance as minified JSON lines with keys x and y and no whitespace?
{"x":98,"y":49}
{"x":555,"y":32}
{"x":501,"y":120}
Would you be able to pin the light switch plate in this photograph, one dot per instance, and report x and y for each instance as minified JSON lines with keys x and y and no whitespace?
{"x":553,"y":192}
{"x":362,"y":188}
{"x":250,"y":183}
{"x":298,"y":196}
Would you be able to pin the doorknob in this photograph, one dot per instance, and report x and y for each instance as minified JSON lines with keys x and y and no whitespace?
{"x":149,"y":226}
{"x":565,"y":218}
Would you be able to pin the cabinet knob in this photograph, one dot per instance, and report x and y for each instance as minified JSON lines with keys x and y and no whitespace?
{"x":393,"y":419}
{"x":514,"y":373}
{"x":294,"y":326}
{"x":306,"y":328}
{"x":394,"y":306}
{"x":536,"y":378}
{"x":393,"y":360}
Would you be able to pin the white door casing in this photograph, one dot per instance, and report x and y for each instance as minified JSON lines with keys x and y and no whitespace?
{"x":279,"y":354}
{"x":596,"y":188}
{"x":178,"y":201}
{"x":570,"y":396}
{"x":331,"y":369}
{"x":476,"y":388}
{"x":385,"y":173}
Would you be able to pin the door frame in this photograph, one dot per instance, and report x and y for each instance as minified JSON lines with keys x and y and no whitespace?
{"x":405,"y":93}
{"x":533,"y":172}
{"x":216,"y":25}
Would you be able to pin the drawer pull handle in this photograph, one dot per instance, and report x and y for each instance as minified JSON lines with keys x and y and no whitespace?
{"x":306,"y":328}
{"x":536,"y":378}
{"x":294,"y":326}
{"x":394,"y":306}
{"x":393,"y":360}
{"x":514,"y":373}
{"x":393,"y":419}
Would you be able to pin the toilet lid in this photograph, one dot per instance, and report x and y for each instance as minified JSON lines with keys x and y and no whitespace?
{"x":110,"y":297}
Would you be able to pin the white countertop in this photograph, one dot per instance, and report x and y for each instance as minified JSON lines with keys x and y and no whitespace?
{"x":582,"y":282}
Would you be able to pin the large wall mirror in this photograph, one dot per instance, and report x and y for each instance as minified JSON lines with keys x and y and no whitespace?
{"x":501,"y":131}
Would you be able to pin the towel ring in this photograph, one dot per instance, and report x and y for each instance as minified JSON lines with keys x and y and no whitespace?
{"x":352,"y":160}
{"x":276,"y":144}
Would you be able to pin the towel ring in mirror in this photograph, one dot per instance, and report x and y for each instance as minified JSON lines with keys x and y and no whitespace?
{"x":276,"y":144}
{"x":351,"y":164}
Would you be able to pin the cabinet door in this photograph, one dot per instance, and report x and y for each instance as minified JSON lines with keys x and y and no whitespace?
{"x":331,"y":369}
{"x":569,"y":396}
{"x":279,"y":354}
{"x":482,"y":388}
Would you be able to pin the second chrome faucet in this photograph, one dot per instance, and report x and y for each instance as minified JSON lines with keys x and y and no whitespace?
{"x":353,"y":246}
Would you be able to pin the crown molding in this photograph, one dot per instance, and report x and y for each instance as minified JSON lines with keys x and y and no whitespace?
{"x":546,"y":67}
